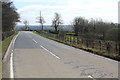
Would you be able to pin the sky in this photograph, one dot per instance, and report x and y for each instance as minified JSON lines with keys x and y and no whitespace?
{"x":68,"y":9}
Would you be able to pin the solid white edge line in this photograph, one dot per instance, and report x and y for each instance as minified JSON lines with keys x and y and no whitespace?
{"x":34,"y":41}
{"x":11,"y":66}
{"x":49,"y":52}
{"x":11,"y":60}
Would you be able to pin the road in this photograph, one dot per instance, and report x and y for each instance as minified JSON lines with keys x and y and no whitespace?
{"x":38,"y":57}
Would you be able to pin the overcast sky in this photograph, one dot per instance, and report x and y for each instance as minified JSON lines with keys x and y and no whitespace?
{"x":30,"y":9}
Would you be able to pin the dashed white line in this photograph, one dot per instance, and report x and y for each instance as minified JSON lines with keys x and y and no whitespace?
{"x":34,"y":40}
{"x":50,"y":52}
{"x":91,"y":77}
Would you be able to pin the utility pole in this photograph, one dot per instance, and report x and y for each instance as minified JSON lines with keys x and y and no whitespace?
{"x":41,"y":20}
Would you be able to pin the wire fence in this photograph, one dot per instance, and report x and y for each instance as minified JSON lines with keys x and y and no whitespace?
{"x":110,"y":47}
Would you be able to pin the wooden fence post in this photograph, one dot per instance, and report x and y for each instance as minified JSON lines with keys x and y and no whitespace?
{"x":87,"y":43}
{"x":92,"y":44}
{"x":65,"y":38}
{"x":108,"y":46}
{"x":74,"y":40}
{"x":100,"y":44}
{"x":70,"y":38}
{"x":77,"y":40}
{"x":116,"y":48}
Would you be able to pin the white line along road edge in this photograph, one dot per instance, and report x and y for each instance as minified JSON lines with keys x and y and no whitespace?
{"x":11,"y":66}
{"x":11,"y":60}
{"x":50,"y":52}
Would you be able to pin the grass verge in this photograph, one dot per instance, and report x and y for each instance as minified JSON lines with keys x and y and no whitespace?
{"x":5,"y":43}
{"x":3,"y":48}
{"x":94,"y":51}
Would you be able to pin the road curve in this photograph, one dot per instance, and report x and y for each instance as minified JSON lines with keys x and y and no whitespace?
{"x":38,"y":57}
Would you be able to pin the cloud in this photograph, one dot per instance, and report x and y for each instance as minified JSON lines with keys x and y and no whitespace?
{"x":36,"y":0}
{"x":105,"y":9}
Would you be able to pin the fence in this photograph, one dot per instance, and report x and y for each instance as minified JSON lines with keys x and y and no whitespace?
{"x":101,"y":45}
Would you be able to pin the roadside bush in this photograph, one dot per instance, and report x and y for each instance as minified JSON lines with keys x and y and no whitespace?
{"x":54,"y":32}
{"x":112,"y":34}
{"x":7,"y":34}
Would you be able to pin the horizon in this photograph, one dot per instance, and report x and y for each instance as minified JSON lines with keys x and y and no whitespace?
{"x":29,"y":10}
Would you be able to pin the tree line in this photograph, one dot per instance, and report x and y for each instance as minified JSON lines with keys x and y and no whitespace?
{"x":93,"y":28}
{"x":9,"y":19}
{"x":97,"y":29}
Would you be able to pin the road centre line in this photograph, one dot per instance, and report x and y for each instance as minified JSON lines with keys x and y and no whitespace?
{"x":50,"y":52}
{"x":34,"y":41}
{"x":59,"y":58}
{"x":91,"y":77}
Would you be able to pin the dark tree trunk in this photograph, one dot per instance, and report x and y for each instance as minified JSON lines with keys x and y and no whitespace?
{"x":56,"y":28}
{"x":116,"y":48}
{"x":77,"y":40}
{"x":92,"y":43}
{"x":42,"y":27}
{"x":100,"y":44}
{"x":103,"y":36}
{"x":119,"y":48}
{"x":87,"y":43}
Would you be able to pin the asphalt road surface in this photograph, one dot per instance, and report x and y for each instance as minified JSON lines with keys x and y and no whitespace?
{"x":38,"y":57}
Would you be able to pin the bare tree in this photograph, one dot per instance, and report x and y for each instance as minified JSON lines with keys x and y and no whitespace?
{"x":41,"y":20}
{"x":26,"y":24}
{"x":57,"y":21}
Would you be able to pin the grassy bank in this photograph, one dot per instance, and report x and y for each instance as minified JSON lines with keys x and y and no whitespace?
{"x":5,"y":43}
{"x":94,"y":51}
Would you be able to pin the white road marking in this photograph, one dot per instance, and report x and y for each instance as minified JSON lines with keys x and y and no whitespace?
{"x":11,"y":66}
{"x":34,"y":41}
{"x":50,"y":52}
{"x":11,"y":60}
{"x":91,"y":77}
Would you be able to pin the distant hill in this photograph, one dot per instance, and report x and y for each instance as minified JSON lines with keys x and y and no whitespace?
{"x":46,"y":27}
